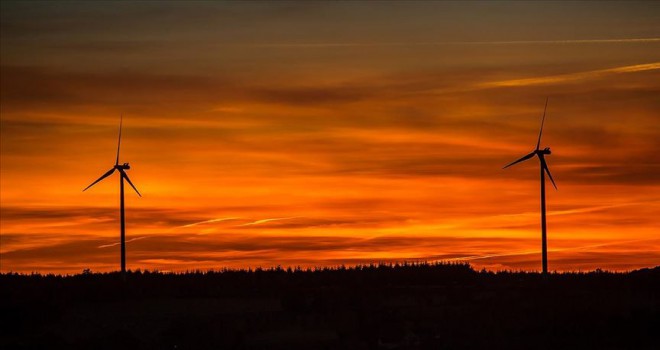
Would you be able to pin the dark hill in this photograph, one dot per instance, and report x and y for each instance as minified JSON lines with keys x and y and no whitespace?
{"x":408,"y":306}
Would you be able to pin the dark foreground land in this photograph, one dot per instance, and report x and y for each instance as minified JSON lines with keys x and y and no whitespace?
{"x":374,"y":307}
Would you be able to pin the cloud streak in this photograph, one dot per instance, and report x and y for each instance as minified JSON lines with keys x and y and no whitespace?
{"x":263,"y":221}
{"x":178,"y":253}
{"x":117,"y":243}
{"x":571,"y":77}
{"x":211,"y":221}
{"x":455,"y":43}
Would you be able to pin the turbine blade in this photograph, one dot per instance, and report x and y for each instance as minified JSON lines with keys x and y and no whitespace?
{"x":121,"y":119}
{"x":521,"y":159}
{"x":545,"y":167}
{"x":101,"y":178}
{"x":538,"y":143}
{"x":123,"y":174}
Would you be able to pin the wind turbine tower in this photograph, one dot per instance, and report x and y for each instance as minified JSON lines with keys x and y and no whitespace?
{"x":541,"y":153}
{"x":121,"y":168}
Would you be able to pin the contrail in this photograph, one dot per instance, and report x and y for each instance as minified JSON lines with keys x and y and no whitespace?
{"x":458,"y":43}
{"x":208,"y":222}
{"x":569,"y":77}
{"x":267,"y":220}
{"x":114,"y":244}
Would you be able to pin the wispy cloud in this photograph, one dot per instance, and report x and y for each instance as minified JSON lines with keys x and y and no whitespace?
{"x":176,"y":253}
{"x":536,"y":251}
{"x":117,"y":243}
{"x":571,"y":77}
{"x":209,"y":222}
{"x":597,"y":208}
{"x":263,"y":221}
{"x":453,"y":43}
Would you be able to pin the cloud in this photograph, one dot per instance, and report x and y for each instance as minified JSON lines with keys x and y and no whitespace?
{"x":167,"y":252}
{"x":638,"y":173}
{"x":311,"y":95}
{"x":249,"y":246}
{"x":41,"y":87}
{"x":30,"y":88}
{"x":82,"y":215}
{"x":571,"y":77}
{"x":263,"y":221}
{"x":209,"y":221}
{"x":332,"y":45}
{"x":555,"y":250}
{"x":117,"y":243}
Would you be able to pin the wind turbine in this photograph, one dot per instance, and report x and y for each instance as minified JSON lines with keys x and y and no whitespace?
{"x":544,"y":169}
{"x":122,"y":176}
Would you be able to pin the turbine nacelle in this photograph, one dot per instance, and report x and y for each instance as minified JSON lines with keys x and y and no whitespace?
{"x":124,"y":166}
{"x":544,"y":151}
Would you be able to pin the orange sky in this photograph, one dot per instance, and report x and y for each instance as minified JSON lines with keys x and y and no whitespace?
{"x":329,"y":133}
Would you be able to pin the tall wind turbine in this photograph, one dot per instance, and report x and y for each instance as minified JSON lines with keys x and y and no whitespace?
{"x":544,"y":169}
{"x":122,"y":176}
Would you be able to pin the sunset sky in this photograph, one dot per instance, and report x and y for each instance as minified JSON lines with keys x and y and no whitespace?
{"x":327,"y":133}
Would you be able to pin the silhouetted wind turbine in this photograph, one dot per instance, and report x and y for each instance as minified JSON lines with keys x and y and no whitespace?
{"x":122,"y":176}
{"x":544,"y":169}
